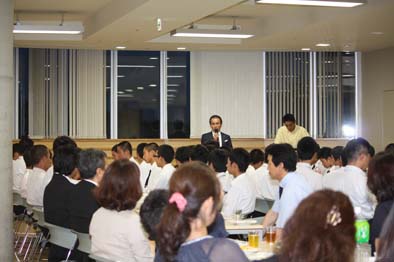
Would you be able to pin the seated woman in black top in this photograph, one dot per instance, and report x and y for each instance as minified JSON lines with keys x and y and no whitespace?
{"x":182,"y":235}
{"x":381,"y":183}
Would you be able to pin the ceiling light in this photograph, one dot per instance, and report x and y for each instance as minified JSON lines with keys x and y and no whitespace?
{"x":153,"y":58}
{"x":172,"y":91}
{"x":181,"y":48}
{"x":120,"y":47}
{"x":120,"y":92}
{"x":66,"y":29}
{"x":138,"y":66}
{"x":175,"y":76}
{"x":129,"y":90}
{"x":305,"y":49}
{"x":172,"y":84}
{"x":210,"y":33}
{"x":121,"y":76}
{"x":322,"y":44}
{"x":177,"y":66}
{"x":171,"y":95}
{"x":152,"y":85}
{"x":329,"y":3}
{"x":140,"y":87}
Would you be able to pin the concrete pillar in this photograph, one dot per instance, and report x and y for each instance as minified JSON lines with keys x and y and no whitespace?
{"x":6,"y":122}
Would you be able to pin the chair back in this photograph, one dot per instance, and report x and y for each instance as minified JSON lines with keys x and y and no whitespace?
{"x":61,"y":236}
{"x":38,"y":214}
{"x":100,"y":259}
{"x":84,"y":242}
{"x":263,"y":205}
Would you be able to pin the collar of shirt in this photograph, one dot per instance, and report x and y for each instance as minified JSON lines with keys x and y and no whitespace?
{"x":91,"y":181}
{"x":39,"y":169}
{"x":304,"y":165}
{"x":168,"y":167}
{"x":290,"y":176}
{"x":354,"y":169}
{"x":294,"y":131}
{"x":262,"y":167}
{"x":221,"y":174}
{"x":238,"y":177}
{"x":72,"y":181}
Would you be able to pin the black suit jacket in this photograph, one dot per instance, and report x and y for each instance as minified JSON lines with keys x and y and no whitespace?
{"x":82,"y":205}
{"x":208,"y":137}
{"x":56,"y":197}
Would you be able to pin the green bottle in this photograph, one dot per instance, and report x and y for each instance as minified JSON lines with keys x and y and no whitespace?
{"x":362,"y":229}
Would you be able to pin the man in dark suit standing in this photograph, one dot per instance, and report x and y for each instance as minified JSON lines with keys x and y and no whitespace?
{"x":215,"y":136}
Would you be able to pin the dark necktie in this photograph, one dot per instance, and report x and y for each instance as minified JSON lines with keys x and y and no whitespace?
{"x":147,"y":179}
{"x":280,"y":191}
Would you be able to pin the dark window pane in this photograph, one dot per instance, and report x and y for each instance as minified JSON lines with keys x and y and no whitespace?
{"x":23,"y":84}
{"x":138,"y":94}
{"x":108,"y":91}
{"x":178,"y":94}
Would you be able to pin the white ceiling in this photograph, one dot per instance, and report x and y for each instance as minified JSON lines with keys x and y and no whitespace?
{"x":132,"y":23}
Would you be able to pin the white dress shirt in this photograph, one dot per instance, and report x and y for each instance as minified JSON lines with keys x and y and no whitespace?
{"x":118,"y":236}
{"x":18,"y":171}
{"x":144,"y":172}
{"x":47,"y":178}
{"x":154,"y":177}
{"x":164,"y":177}
{"x":35,"y":190}
{"x":266,"y":187}
{"x":241,"y":196}
{"x":314,"y":179}
{"x":132,"y":159}
{"x":319,"y":167}
{"x":23,"y":191}
{"x":352,"y":181}
{"x":220,"y":138}
{"x":225,"y":180}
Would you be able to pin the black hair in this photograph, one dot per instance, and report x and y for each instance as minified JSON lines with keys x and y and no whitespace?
{"x":389,"y":148}
{"x":324,"y":152}
{"x":241,"y":157}
{"x":218,"y":159}
{"x":307,"y":148}
{"x":166,"y":152}
{"x":26,"y":143}
{"x":152,"y":146}
{"x":115,"y":148}
{"x":151,"y":210}
{"x":183,"y":154}
{"x":215,"y":116}
{"x":356,"y":147}
{"x":37,"y":153}
{"x":88,"y":162}
{"x":140,"y":149}
{"x":288,"y":118}
{"x":65,"y":159}
{"x":125,"y":146}
{"x":27,"y":158}
{"x":211,"y":145}
{"x":256,"y":156}
{"x":199,"y":153}
{"x":283,"y":153}
{"x":62,"y":141}
{"x":17,"y":148}
{"x":337,"y":152}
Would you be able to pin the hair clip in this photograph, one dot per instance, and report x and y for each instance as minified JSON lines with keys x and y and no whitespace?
{"x":333,"y":217}
{"x":179,"y":200}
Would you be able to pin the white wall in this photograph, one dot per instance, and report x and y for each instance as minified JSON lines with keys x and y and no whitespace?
{"x":229,"y":84}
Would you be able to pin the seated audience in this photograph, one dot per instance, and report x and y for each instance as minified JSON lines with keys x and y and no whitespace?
{"x":293,"y":187}
{"x":266,"y":187}
{"x":321,"y":229}
{"x":381,"y":183}
{"x":307,"y":150}
{"x":352,"y":180}
{"x":182,"y":155}
{"x":242,"y":195}
{"x":125,"y":151}
{"x":140,"y":152}
{"x":195,"y":198}
{"x":149,"y":171}
{"x":115,"y":227}
{"x":41,"y":161}
{"x":325,"y":157}
{"x":217,"y":161}
{"x":337,"y":153}
{"x":290,"y":132}
{"x":164,"y":158}
{"x":385,"y":248}
{"x":29,"y":169}
{"x":18,"y":167}
{"x":82,"y":204}
{"x":199,"y":153}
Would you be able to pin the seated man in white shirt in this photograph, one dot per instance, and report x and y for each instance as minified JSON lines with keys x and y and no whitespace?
{"x":217,"y":161}
{"x":140,"y":152}
{"x":199,"y":153}
{"x":18,"y":167}
{"x":29,"y":169}
{"x":242,"y":195}
{"x":266,"y":187}
{"x":307,"y":150}
{"x":337,"y":153}
{"x":149,"y":171}
{"x":293,"y":187}
{"x":41,"y":161}
{"x":325,"y":157}
{"x":290,"y":133}
{"x":352,"y":179}
{"x":125,"y":151}
{"x":165,"y":155}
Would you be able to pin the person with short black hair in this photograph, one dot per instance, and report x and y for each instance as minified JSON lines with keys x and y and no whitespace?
{"x":29,"y":169}
{"x":165,"y":155}
{"x":26,"y":143}
{"x":215,"y":122}
{"x":290,"y":133}
{"x":41,"y":161}
{"x":149,"y":171}
{"x":199,"y":153}
{"x":114,"y":152}
{"x":293,"y":187}
{"x":182,"y":155}
{"x":389,"y":148}
{"x":140,"y":152}
{"x":337,"y":153}
{"x":115,"y":228}
{"x":352,"y":179}
{"x":125,"y":151}
{"x":307,"y":150}
{"x":266,"y":187}
{"x":326,"y":159}
{"x":217,"y":161}
{"x":242,"y":194}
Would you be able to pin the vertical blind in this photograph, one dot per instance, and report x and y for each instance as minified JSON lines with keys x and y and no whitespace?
{"x":287,"y":88}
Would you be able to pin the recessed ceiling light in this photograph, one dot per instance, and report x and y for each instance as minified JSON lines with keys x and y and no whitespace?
{"x":152,"y":85}
{"x":140,"y":87}
{"x":181,"y":48}
{"x":120,"y":47}
{"x":329,"y":3}
{"x":306,"y":49}
{"x":172,"y":91}
{"x":121,"y":76}
{"x":153,"y":58}
{"x":377,"y":33}
{"x":172,"y":84}
{"x":175,"y":76}
{"x":323,"y":44}
{"x":129,"y":90}
{"x":120,"y":92}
